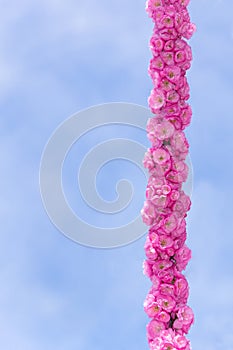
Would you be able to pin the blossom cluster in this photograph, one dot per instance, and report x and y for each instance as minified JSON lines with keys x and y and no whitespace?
{"x":166,"y":204}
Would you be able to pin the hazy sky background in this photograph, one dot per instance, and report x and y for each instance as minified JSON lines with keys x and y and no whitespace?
{"x":56,"y":58}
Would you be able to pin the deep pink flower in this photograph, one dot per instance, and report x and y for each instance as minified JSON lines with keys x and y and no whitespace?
{"x":172,"y":96}
{"x":167,"y":21}
{"x":172,"y":73}
{"x":167,"y":57}
{"x":156,"y":45}
{"x":169,"y":45}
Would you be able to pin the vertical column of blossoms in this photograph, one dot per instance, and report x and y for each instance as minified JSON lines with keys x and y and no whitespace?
{"x":166,"y":205}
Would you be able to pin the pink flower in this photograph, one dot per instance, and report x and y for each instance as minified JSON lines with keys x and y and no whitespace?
{"x":161,"y":265}
{"x":181,"y":288}
{"x":170,"y":223}
{"x":172,"y":73}
{"x":156,"y":44}
{"x":147,"y":268}
{"x":148,"y":213}
{"x":166,"y":85}
{"x":185,"y":319}
{"x":169,"y":45}
{"x":156,"y":63}
{"x":150,"y":250}
{"x":152,"y":6}
{"x":174,"y":195}
{"x":180,"y":56}
{"x":182,"y":257}
{"x":154,"y":328}
{"x":167,"y":289}
{"x":167,"y":303}
{"x":160,"y":156}
{"x":156,"y":100}
{"x":148,"y":160}
{"x":179,"y":144}
{"x":151,"y":306}
{"x":165,"y":242}
{"x":163,"y":316}
{"x":168,"y":57}
{"x":180,"y":44}
{"x":168,"y":34}
{"x":167,"y":21}
{"x":172,"y":96}
{"x":164,"y":130}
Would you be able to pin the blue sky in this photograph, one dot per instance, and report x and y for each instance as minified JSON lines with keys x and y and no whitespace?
{"x":58,"y":57}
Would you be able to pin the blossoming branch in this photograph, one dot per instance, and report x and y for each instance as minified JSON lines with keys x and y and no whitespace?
{"x":166,"y":205}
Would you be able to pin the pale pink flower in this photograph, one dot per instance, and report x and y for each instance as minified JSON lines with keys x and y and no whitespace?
{"x":167,"y":289}
{"x":164,"y":130}
{"x":152,"y":6}
{"x":147,"y":269}
{"x":156,"y":100}
{"x":160,"y":156}
{"x":182,"y":257}
{"x":170,"y":223}
{"x":150,"y":250}
{"x":166,"y":189}
{"x":148,"y":160}
{"x":148,"y":213}
{"x":154,"y":328}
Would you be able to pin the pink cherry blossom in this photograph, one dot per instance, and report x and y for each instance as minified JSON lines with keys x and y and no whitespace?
{"x":172,"y":73}
{"x":172,"y":96}
{"x":167,"y":303}
{"x":156,"y":99}
{"x":164,"y":130}
{"x":167,"y":57}
{"x":167,"y":21}
{"x":169,"y":45}
{"x":160,"y":156}
{"x":154,"y":328}
{"x":148,"y":213}
{"x":170,"y":223}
